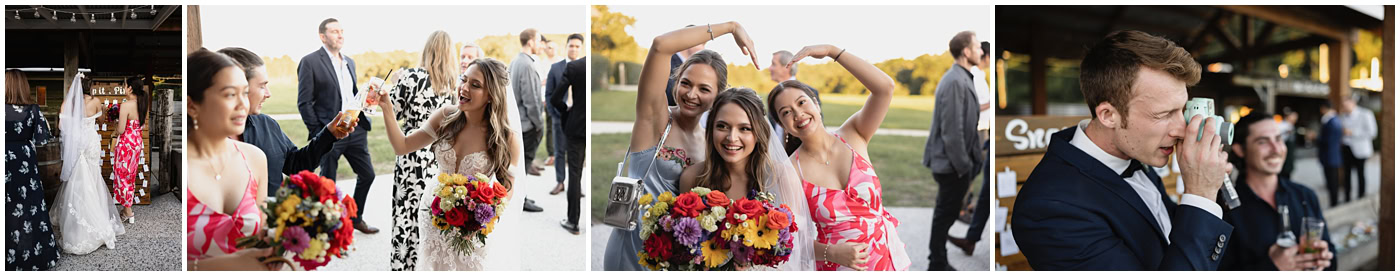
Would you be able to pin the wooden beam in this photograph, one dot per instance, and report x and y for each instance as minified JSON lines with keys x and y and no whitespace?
{"x":193,"y":38}
{"x":1198,"y":36}
{"x":125,"y":15}
{"x":1386,"y":256}
{"x":1266,"y":50}
{"x":1218,"y":28}
{"x":43,"y":16}
{"x":1263,"y":35}
{"x":164,"y":14}
{"x":1277,"y":14}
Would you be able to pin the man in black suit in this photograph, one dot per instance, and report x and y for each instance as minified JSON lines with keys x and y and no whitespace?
{"x":575,"y":118}
{"x":551,"y":85}
{"x":1093,"y":204}
{"x":326,"y":86}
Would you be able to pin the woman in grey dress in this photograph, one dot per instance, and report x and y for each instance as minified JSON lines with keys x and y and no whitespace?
{"x":697,"y":81}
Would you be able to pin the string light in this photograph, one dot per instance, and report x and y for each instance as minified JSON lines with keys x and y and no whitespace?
{"x":16,"y":14}
{"x":113,"y":16}
{"x":91,"y":19}
{"x":36,"y":13}
{"x":153,"y":9}
{"x":74,"y":18}
{"x":55,"y":15}
{"x":132,"y":13}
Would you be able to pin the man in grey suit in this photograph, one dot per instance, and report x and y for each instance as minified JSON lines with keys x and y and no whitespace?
{"x":952,"y":151}
{"x":525,"y":82}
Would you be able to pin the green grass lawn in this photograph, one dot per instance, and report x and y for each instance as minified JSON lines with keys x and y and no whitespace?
{"x":619,"y":106}
{"x":905,"y":181}
{"x":284,"y":97}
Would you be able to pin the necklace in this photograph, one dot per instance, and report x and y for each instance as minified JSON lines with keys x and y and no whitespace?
{"x":218,"y":174}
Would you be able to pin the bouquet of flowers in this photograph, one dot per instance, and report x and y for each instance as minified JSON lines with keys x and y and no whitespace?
{"x":310,"y":218}
{"x":465,"y":209}
{"x":704,"y":230}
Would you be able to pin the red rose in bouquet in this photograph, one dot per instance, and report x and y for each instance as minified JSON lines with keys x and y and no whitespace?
{"x":457,"y":216}
{"x":484,"y":194}
{"x":717,"y":198}
{"x":688,"y":205}
{"x":659,"y":246}
{"x":749,"y":207}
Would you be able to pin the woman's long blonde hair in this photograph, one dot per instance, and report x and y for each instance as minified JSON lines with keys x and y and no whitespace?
{"x":499,"y":135}
{"x":440,"y":63}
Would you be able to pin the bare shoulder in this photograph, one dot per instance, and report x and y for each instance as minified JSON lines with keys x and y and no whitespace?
{"x":256,"y":157}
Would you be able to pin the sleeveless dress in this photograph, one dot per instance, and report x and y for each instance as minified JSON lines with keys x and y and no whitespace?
{"x":29,"y":237}
{"x":129,"y":151}
{"x":416,"y":101}
{"x":501,"y":250}
{"x":623,"y":245}
{"x":209,"y":233}
{"x":856,"y":214}
{"x":85,"y":215}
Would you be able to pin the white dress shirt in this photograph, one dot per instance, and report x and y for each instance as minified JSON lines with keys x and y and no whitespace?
{"x":343,"y":76}
{"x":1150,"y":194}
{"x":984,"y":96}
{"x":1362,"y":124}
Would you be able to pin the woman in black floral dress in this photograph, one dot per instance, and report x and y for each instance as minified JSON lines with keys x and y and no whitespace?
{"x":29,"y":239}
{"x":417,"y":93}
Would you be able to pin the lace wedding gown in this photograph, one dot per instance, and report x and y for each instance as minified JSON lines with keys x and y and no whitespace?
{"x":85,"y":216}
{"x":502,"y":248}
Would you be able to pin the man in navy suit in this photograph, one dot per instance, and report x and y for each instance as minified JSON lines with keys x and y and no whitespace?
{"x":1091,"y":204}
{"x":552,"y":84}
{"x":326,"y":86}
{"x":1329,"y":153}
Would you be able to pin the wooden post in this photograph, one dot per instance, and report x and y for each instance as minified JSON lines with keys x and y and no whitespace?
{"x":70,"y":65}
{"x":1040,"y":96}
{"x":1386,"y":256}
{"x":1339,"y":71}
{"x":194,"y":37}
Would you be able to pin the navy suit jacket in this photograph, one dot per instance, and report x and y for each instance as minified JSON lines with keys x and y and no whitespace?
{"x":553,"y":80}
{"x":574,"y":116}
{"x":318,"y":90}
{"x":1074,"y":213}
{"x":1329,"y":143}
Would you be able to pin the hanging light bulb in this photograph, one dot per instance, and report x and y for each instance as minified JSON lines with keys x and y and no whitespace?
{"x":74,"y":18}
{"x":55,"y":15}
{"x":36,"y":13}
{"x":132,"y":13}
{"x":16,"y":14}
{"x":113,"y":17}
{"x":153,"y":9}
{"x":91,"y":19}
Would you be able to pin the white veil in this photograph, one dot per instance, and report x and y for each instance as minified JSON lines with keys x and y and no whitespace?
{"x":505,"y":240}
{"x":785,"y":183}
{"x":70,"y":124}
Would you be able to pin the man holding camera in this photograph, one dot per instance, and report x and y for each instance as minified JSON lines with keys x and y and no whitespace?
{"x":1092,"y":203}
{"x":1259,"y":146}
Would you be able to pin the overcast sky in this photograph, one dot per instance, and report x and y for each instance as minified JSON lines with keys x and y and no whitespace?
{"x":877,"y":33}
{"x":291,"y":30}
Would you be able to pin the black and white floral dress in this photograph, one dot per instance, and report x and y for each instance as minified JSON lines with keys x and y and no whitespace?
{"x":414,"y":100}
{"x":29,"y":238}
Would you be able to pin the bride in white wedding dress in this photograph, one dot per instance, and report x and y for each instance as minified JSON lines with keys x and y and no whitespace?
{"x":85,"y":213}
{"x":478,"y":134}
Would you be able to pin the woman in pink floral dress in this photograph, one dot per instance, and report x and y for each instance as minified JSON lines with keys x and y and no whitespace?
{"x":130,"y":148}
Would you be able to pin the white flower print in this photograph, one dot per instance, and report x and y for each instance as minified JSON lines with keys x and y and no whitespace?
{"x":28,"y":227}
{"x":19,"y":210}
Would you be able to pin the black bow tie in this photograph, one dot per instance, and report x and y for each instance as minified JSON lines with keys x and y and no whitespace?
{"x":1133,"y":167}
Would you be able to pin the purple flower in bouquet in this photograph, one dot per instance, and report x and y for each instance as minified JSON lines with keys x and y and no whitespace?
{"x":740,"y":251}
{"x":295,"y":239}
{"x":666,"y":223}
{"x":687,"y":231}
{"x":484,"y":213}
